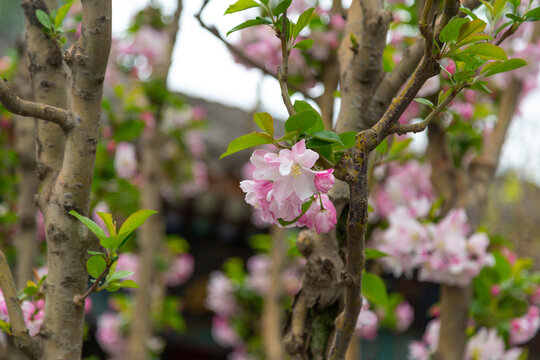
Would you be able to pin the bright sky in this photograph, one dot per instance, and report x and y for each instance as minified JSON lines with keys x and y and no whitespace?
{"x":203,"y":67}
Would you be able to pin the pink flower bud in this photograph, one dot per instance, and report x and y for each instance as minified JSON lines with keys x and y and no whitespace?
{"x":324,"y":180}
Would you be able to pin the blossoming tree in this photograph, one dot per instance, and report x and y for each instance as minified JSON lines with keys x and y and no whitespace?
{"x":289,"y":187}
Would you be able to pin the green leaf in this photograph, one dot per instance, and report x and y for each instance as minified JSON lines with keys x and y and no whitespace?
{"x":443,"y":95}
{"x":399,"y":145}
{"x":469,"y":29}
{"x":302,"y":122}
{"x":89,"y":224}
{"x":304,"y":44}
{"x":303,"y":21}
{"x":300,"y":105}
{"x":502,"y":266}
{"x":249,"y":23}
{"x":62,"y":12}
{"x":463,"y":75}
{"x":281,"y":7}
{"x":98,"y":253}
{"x":424,"y":102}
{"x":468,"y":12}
{"x":515,"y":3}
{"x":114,"y":242}
{"x":241,"y":5}
{"x":135,"y":220}
{"x":514,"y":17}
{"x":247,"y":141}
{"x":119,"y":275}
{"x":348,"y":139}
{"x":44,"y":19}
{"x":486,"y":51}
{"x":129,"y":284}
{"x":5,"y":327}
{"x":95,"y":266}
{"x":374,"y":254}
{"x":497,"y":67}
{"x":374,"y":289}
{"x":109,"y":222}
{"x":328,"y":135}
{"x":451,"y":31}
{"x":532,"y":15}
{"x":382,"y":148}
{"x":265,"y":122}
{"x":112,"y":287}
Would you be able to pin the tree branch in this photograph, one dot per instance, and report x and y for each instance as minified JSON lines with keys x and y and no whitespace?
{"x":353,"y":170}
{"x":240,"y":54}
{"x":19,"y":331}
{"x":284,"y":69}
{"x":33,"y":109}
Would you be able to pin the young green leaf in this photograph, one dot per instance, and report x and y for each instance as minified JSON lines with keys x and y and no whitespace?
{"x":119,"y":275}
{"x":249,"y":23}
{"x":382,"y":148}
{"x":328,"y":136}
{"x":129,"y":284}
{"x":451,"y":31}
{"x":532,"y":15}
{"x":348,"y":139}
{"x":135,"y":220}
{"x":98,"y":253}
{"x":374,"y":289}
{"x":265,"y":122}
{"x":247,"y":141}
{"x":241,"y":5}
{"x":398,"y":146}
{"x":497,"y":67}
{"x":61,"y":14}
{"x":486,"y":51}
{"x":114,"y":242}
{"x":303,"y":21}
{"x":89,"y":224}
{"x":469,"y":29}
{"x":468,"y":12}
{"x":303,"y":121}
{"x":281,"y":7}
{"x":304,"y":44}
{"x":424,"y":102}
{"x":109,"y":222}
{"x":374,"y":254}
{"x":95,"y":266}
{"x":463,"y":75}
{"x":44,"y":19}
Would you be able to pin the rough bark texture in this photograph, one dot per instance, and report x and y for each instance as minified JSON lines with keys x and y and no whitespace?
{"x":26,"y":241}
{"x":152,"y":233}
{"x":66,"y":159}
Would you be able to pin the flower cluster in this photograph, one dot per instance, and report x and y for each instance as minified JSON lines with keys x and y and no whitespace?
{"x":283,"y":182}
{"x":33,"y":312}
{"x":485,"y":344}
{"x":524,"y":328}
{"x":442,"y":252}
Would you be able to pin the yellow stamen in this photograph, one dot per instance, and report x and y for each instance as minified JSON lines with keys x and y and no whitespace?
{"x":296,"y":170}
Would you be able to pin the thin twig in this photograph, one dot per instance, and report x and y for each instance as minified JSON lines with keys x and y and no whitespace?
{"x":19,"y":331}
{"x":33,"y":109}
{"x":79,"y":299}
{"x":284,"y":69}
{"x":421,"y":126}
{"x":240,"y":54}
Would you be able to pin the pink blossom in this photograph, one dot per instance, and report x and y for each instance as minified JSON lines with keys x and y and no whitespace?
{"x":220,"y":294}
{"x":419,"y":351}
{"x":128,"y":262}
{"x":324,"y":180}
{"x":109,"y":333}
{"x":223,"y":333}
{"x":88,"y":305}
{"x":404,"y":314}
{"x":33,"y":313}
{"x":488,"y":345}
{"x":149,"y":120}
{"x":125,"y":160}
{"x":524,"y":328}
{"x":495,"y":290}
{"x":198,"y":113}
{"x":195,"y":143}
{"x":180,"y":270}
{"x":259,"y":273}
{"x":367,"y":323}
{"x":322,"y":217}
